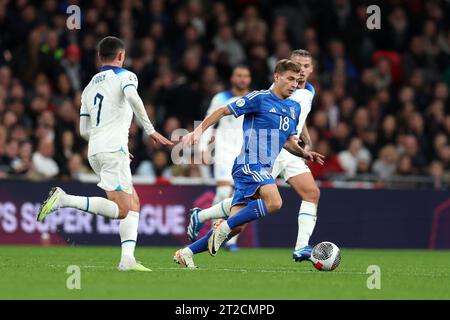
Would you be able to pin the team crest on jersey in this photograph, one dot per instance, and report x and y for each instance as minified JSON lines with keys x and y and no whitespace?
{"x":292,"y":112}
{"x":240,"y":102}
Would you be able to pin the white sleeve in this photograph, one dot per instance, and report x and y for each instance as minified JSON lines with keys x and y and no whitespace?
{"x":137,"y":105}
{"x":206,"y":137}
{"x":128,"y":79}
{"x":85,"y":121}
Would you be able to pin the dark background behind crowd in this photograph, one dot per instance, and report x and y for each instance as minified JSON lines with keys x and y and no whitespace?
{"x":381,"y":108}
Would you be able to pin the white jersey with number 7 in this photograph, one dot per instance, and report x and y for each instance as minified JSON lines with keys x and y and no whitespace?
{"x":103,"y":101}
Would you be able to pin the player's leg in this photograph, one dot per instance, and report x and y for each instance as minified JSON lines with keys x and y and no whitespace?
{"x":128,"y":227}
{"x":220,"y":210}
{"x":198,"y":217}
{"x":106,"y":166}
{"x":184,"y":256}
{"x":95,"y":205}
{"x":306,"y":187}
{"x":224,"y":190}
{"x":128,"y":230}
{"x":222,"y":201}
{"x":269,"y":201}
{"x":223,"y":167}
{"x":127,"y":199}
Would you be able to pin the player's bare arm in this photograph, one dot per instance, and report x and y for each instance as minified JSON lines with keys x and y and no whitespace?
{"x":194,"y":136}
{"x":306,"y":139}
{"x":293,"y":147}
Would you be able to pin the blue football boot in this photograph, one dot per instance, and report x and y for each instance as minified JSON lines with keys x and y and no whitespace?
{"x":195,"y":225}
{"x":302,"y":254}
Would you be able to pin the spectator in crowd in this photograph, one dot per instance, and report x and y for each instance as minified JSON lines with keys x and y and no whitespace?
{"x":22,"y":164}
{"x":72,"y":66}
{"x":43,"y":164}
{"x":11,"y":152}
{"x":75,"y":167}
{"x":436,"y":171}
{"x":331,"y":166}
{"x":410,"y":147}
{"x":158,"y":167}
{"x":385,"y":165}
{"x":404,"y":166}
{"x":355,"y":153}
{"x":226,"y":43}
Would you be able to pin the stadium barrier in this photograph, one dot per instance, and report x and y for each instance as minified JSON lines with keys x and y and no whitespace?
{"x":364,"y":218}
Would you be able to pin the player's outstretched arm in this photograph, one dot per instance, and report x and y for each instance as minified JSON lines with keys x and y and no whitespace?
{"x":293,"y":147}
{"x":208,"y":134}
{"x":137,"y":105}
{"x":306,"y":142}
{"x":194,"y":136}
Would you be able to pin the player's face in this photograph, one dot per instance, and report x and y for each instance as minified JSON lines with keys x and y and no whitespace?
{"x":241,"y":79}
{"x":287,"y":82}
{"x":306,"y":66}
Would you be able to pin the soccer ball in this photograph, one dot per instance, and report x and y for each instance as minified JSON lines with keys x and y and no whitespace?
{"x":325,"y":256}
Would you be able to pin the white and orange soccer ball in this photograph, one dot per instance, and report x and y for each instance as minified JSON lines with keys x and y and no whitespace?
{"x":325,"y":256}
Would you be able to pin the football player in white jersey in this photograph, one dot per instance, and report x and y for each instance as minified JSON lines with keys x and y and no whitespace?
{"x":107,"y":106}
{"x":227,"y":146}
{"x":292,"y":168}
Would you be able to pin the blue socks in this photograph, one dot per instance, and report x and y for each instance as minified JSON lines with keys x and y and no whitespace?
{"x":254,"y":210}
{"x":201,"y":244}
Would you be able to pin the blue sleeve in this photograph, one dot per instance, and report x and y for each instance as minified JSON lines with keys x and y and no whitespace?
{"x":247,"y":104}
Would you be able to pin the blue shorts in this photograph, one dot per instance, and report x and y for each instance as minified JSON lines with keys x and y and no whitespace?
{"x":247,"y":180}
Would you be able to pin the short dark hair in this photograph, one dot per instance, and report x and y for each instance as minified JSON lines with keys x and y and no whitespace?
{"x":108,"y":48}
{"x":301,"y":53}
{"x":286,"y":65}
{"x":240,"y":66}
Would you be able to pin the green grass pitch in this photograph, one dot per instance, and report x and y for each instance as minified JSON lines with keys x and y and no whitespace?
{"x":40,"y":273}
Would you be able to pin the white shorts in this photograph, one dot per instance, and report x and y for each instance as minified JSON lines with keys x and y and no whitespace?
{"x":113,"y":169}
{"x":287,"y":165}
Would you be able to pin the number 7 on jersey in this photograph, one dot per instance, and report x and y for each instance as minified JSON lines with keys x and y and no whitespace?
{"x":100,"y":98}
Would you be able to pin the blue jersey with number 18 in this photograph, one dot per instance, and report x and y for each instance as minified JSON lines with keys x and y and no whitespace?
{"x":268,"y":123}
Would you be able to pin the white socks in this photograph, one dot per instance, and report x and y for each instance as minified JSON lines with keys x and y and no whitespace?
{"x":306,"y":222}
{"x":217,"y":211}
{"x":128,"y":233}
{"x":128,"y":227}
{"x":188,"y":251}
{"x":233,"y":240}
{"x":222,"y":193}
{"x":222,"y":196}
{"x":94,"y":205}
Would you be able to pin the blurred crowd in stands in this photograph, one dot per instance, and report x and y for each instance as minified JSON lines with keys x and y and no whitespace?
{"x":381,"y":109}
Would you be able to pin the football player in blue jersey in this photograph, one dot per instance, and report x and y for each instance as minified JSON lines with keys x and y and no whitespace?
{"x":292,"y":169}
{"x":270,"y":122}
